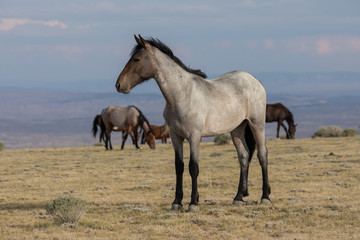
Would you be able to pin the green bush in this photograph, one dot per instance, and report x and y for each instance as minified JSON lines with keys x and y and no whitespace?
{"x":2,"y":146}
{"x":222,"y":139}
{"x":66,"y":209}
{"x":328,"y":131}
{"x":349,"y":133}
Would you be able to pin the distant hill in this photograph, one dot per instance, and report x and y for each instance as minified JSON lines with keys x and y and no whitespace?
{"x":57,"y":118}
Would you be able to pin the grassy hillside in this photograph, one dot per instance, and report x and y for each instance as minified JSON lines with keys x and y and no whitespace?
{"x":315,"y":192}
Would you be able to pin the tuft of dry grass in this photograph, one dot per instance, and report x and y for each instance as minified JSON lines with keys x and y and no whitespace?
{"x":315,"y":192}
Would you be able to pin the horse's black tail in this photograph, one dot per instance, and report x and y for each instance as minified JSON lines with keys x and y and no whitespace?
{"x":250,"y":141}
{"x":103,"y":129}
{"x":95,"y":123}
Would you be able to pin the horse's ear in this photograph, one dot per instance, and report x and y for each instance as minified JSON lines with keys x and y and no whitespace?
{"x":138,"y":41}
{"x":143,"y":41}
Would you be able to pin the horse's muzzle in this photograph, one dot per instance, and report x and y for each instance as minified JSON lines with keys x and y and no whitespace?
{"x":123,"y":89}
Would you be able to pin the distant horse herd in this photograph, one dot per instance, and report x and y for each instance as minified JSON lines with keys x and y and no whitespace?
{"x":195,"y":107}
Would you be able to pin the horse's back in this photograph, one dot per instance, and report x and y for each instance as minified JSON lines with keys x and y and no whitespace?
{"x":276,"y":112}
{"x":244,"y":87}
{"x":116,"y":116}
{"x":239,"y":78}
{"x":230,"y":99}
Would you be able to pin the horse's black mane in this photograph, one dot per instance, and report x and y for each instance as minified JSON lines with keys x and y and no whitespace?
{"x":166,"y":50}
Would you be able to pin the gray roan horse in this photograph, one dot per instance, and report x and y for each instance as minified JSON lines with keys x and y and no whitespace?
{"x":129,"y":119}
{"x":234,"y":102}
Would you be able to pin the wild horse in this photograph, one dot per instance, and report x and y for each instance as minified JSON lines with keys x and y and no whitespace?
{"x":126,"y":119}
{"x":99,"y":122}
{"x":160,"y":132}
{"x":278,"y":113}
{"x":234,"y":102}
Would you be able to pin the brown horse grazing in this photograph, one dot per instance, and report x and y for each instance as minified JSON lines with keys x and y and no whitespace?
{"x":161,"y":132}
{"x":99,"y":122}
{"x":278,"y":113}
{"x":129,"y":118}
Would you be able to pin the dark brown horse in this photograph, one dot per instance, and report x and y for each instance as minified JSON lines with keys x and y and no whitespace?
{"x":125,"y":119}
{"x":278,"y":113}
{"x":160,"y":132}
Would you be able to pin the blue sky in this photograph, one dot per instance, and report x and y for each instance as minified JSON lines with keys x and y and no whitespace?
{"x":46,"y":42}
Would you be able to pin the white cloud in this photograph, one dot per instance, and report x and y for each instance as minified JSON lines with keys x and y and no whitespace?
{"x":354,"y":43}
{"x":322,"y":45}
{"x":7,"y":24}
{"x":269,"y":43}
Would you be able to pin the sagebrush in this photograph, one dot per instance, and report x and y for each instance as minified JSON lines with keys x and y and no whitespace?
{"x":349,"y":133}
{"x":328,"y":131}
{"x":2,"y":146}
{"x":335,"y":131}
{"x":66,"y":209}
{"x":222,"y":139}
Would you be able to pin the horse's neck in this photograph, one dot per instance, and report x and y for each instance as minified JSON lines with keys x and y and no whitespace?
{"x":289,"y":119}
{"x":174,"y":82}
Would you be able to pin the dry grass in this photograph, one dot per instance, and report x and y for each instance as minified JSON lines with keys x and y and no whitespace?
{"x":315,"y":192}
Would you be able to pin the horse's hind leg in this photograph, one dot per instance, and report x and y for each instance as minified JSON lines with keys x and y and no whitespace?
{"x":244,"y":155}
{"x":194,"y":142}
{"x":179,"y":167}
{"x":258,"y":131}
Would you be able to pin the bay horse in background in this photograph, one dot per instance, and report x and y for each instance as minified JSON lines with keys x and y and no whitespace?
{"x":98,"y":122}
{"x":160,"y":132}
{"x":278,"y":113}
{"x":196,"y":107}
{"x":128,"y":119}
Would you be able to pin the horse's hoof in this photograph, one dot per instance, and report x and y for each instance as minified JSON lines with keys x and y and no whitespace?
{"x":176,"y":207}
{"x":238,"y":203}
{"x":193,"y":208}
{"x":265,"y":201}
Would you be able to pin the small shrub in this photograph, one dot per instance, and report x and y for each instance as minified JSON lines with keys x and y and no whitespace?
{"x":2,"y":146}
{"x":98,"y":144}
{"x":66,"y":209}
{"x":349,"y":133}
{"x":329,"y":131}
{"x":222,"y":139}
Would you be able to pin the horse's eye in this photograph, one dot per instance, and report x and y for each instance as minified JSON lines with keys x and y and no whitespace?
{"x":136,"y":59}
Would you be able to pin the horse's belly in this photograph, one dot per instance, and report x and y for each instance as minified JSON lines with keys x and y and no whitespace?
{"x":221,"y":124}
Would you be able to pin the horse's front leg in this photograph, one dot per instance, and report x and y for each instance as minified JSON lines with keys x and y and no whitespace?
{"x":134,"y":137}
{"x":124,"y":137}
{"x":179,"y":168}
{"x":286,"y":131}
{"x":108,"y":140}
{"x":278,"y":130}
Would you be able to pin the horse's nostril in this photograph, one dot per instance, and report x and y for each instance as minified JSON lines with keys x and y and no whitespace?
{"x":117,"y":85}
